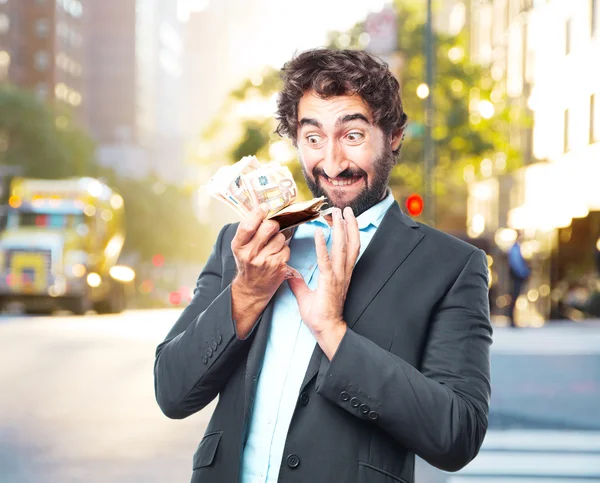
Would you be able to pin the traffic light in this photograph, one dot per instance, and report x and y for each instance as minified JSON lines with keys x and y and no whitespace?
{"x":158,"y":260}
{"x":414,"y":205}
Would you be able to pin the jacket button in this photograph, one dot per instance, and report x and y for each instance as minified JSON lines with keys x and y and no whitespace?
{"x":293,"y":461}
{"x":304,"y":399}
{"x":344,"y":396}
{"x":364,"y":409}
{"x":219,"y":339}
{"x":209,"y":352}
{"x":205,"y":359}
{"x":214,"y":346}
{"x":354,"y":402}
{"x":373,"y":415}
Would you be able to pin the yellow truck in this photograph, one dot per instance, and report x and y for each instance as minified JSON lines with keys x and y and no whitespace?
{"x":61,"y":245}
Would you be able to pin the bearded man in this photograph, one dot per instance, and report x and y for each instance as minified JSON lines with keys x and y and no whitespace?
{"x":379,"y":352}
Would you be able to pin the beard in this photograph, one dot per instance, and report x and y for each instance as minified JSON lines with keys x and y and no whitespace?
{"x":373,"y":192}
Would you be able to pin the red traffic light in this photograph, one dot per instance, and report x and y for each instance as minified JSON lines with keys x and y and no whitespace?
{"x":158,"y":260}
{"x":414,"y":205}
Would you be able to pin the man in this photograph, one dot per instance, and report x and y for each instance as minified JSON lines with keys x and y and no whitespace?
{"x":519,"y":273}
{"x":346,"y":374}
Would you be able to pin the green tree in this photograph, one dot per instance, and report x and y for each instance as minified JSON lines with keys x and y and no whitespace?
{"x":40,"y":138}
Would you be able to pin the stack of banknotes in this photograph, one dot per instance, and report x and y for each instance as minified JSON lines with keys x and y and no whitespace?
{"x":249,"y":183}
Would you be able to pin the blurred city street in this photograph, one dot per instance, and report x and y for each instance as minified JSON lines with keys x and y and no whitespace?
{"x":78,"y":402}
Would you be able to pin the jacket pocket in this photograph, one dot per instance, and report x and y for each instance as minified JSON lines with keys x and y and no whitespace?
{"x":207,"y":449}
{"x":371,"y":474}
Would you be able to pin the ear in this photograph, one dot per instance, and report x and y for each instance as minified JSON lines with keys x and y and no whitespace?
{"x":396,"y":139}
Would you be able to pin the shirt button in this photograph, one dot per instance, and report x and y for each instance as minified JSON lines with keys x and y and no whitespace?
{"x":293,"y":461}
{"x":304,"y":399}
{"x":354,"y":402}
{"x":344,"y":396}
{"x":364,"y":409}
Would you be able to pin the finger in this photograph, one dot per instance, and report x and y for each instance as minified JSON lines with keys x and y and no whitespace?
{"x":248,"y":227}
{"x":266,"y":231}
{"x":275,"y":244}
{"x":353,"y":234}
{"x":323,"y":259}
{"x":299,"y":288}
{"x":338,"y":244}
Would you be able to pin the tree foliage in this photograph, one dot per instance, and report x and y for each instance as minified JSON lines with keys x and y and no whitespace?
{"x":40,"y":138}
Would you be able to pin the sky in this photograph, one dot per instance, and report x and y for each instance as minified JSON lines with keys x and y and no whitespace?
{"x":294,"y":24}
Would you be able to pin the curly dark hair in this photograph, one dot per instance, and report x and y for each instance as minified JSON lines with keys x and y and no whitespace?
{"x":332,"y":73}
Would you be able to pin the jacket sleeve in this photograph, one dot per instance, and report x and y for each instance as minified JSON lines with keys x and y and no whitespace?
{"x":202,"y":349}
{"x":440,"y":413}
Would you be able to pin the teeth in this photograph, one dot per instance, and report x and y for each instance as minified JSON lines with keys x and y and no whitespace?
{"x":347,"y":182}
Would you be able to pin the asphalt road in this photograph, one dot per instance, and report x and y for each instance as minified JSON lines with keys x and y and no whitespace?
{"x":77,"y":402}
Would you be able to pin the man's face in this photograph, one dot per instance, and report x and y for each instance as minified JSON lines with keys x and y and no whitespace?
{"x":344,"y":156}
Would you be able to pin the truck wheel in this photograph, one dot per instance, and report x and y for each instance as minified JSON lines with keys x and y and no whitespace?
{"x":114,"y":303}
{"x":79,"y":306}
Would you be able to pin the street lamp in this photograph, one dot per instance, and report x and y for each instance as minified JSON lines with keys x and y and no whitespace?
{"x":429,"y":148}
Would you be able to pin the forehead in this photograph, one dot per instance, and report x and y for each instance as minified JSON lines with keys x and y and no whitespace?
{"x":323,"y":110}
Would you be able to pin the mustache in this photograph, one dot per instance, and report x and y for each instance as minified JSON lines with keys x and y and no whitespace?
{"x":346,"y":174}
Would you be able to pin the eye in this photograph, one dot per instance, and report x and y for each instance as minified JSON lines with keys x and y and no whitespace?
{"x":355,"y":136}
{"x":313,"y":139}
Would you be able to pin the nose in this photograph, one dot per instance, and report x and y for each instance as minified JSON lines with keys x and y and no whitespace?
{"x":333,"y":161}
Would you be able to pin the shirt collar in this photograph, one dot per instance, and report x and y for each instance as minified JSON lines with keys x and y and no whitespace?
{"x":372,"y":216}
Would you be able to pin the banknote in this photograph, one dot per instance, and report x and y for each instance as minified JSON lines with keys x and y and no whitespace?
{"x":249,"y":183}
{"x":272,"y":186}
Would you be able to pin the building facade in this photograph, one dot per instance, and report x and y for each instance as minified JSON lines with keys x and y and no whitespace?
{"x":42,"y":49}
{"x":544,"y":53}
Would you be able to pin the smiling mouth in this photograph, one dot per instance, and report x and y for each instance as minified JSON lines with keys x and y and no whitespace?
{"x":340,"y":182}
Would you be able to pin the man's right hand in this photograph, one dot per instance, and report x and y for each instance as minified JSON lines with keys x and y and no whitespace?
{"x":261,"y":256}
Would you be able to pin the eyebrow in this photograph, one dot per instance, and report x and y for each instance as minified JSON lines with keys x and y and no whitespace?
{"x":307,"y":121}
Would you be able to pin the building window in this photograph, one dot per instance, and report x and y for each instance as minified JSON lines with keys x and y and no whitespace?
{"x":594,"y":115}
{"x":41,"y":60}
{"x":566,"y":132}
{"x":593,"y":17}
{"x":568,"y":37}
{"x":4,"y":23}
{"x":42,"y":28}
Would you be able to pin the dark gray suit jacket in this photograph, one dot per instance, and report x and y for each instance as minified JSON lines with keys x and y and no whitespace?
{"x":411,"y":375}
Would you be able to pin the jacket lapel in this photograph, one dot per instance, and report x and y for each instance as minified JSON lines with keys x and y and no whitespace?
{"x":255,"y":358}
{"x":392,"y":243}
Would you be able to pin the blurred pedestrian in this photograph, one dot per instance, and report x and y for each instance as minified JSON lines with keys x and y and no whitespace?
{"x":347,"y":373}
{"x":519,"y":273}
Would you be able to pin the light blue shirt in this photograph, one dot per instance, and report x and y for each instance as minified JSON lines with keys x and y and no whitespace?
{"x":288,"y":352}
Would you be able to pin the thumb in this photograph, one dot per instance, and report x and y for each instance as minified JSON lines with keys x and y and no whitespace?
{"x":298,"y":287}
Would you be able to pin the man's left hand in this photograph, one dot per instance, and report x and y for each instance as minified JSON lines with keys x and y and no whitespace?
{"x":322,"y":309}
